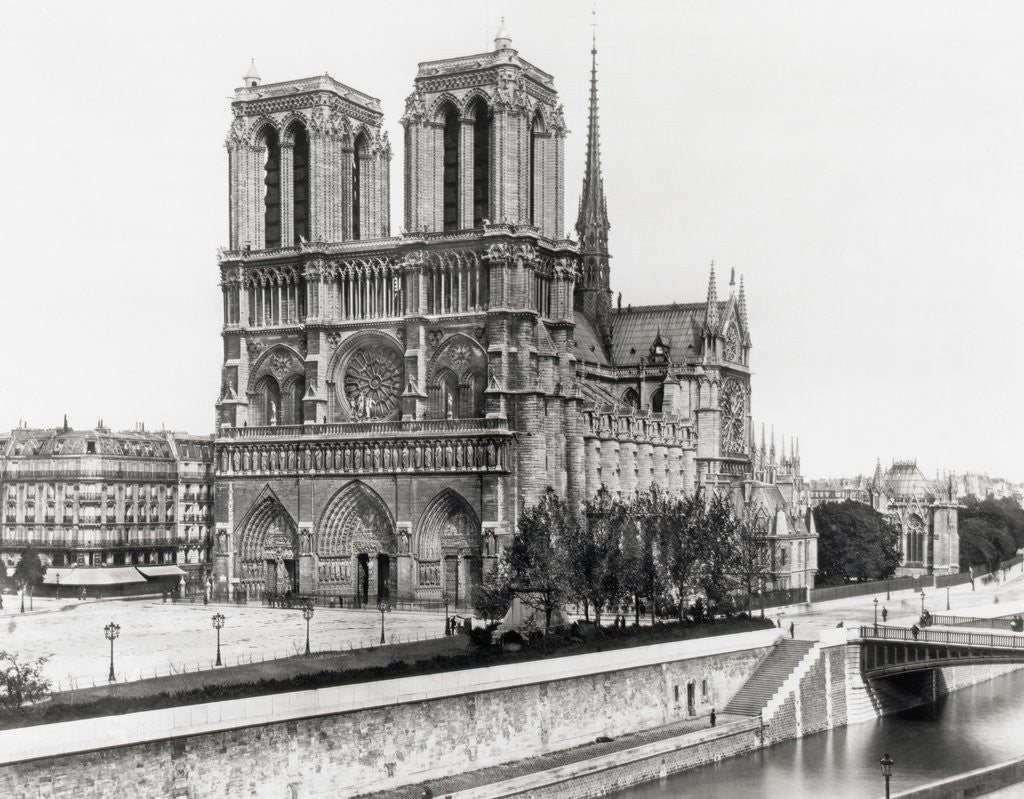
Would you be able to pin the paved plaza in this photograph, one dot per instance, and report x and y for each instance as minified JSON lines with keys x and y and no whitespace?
{"x":167,"y":638}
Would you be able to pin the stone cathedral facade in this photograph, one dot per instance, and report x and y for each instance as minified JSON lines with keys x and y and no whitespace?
{"x":389,"y":403}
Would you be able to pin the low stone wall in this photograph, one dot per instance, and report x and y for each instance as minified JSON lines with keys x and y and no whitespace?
{"x":337,"y":742}
{"x":970,"y":784}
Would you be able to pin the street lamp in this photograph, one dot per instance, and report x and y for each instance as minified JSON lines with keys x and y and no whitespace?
{"x":922,"y":601}
{"x":383,"y":607}
{"x":947,"y":597}
{"x":875,"y":600}
{"x":111,"y":631}
{"x":886,"y":762}
{"x":58,"y":586}
{"x":307,"y":614}
{"x":446,"y":599}
{"x":23,"y":585}
{"x":218,"y":622}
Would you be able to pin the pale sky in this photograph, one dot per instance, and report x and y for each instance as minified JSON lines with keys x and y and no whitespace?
{"x":861,"y":164}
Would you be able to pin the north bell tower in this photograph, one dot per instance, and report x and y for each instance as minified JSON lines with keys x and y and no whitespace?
{"x":484,"y":143}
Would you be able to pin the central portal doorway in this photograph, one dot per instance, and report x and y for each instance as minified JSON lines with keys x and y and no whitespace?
{"x":363,"y":578}
{"x":383,"y":578}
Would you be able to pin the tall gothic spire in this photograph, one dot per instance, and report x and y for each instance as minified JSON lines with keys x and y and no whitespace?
{"x":711,"y":311}
{"x":592,"y":222}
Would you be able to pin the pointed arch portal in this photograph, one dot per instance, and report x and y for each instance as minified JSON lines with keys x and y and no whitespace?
{"x":357,"y":546}
{"x":269,"y":551}
{"x":448,"y":549}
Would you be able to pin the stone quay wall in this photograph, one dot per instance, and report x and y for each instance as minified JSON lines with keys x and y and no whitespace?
{"x":341,"y":741}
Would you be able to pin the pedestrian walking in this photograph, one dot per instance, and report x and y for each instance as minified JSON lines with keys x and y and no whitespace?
{"x":713,"y":717}
{"x":791,"y":630}
{"x":915,"y":631}
{"x":885,"y":614}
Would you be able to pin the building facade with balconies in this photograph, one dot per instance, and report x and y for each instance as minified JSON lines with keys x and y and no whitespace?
{"x":96,"y":498}
{"x":389,"y":403}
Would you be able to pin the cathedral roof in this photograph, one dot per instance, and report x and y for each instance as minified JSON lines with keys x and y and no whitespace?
{"x":680,"y":326}
{"x":588,"y":343}
{"x":904,"y":479}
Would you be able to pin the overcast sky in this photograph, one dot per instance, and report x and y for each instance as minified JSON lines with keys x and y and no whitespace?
{"x":862,"y":164}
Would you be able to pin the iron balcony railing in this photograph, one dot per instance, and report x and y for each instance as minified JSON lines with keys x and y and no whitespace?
{"x":952,"y":637}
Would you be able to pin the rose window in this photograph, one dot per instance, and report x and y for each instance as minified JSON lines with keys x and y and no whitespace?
{"x":373,"y":382}
{"x":733,"y":404}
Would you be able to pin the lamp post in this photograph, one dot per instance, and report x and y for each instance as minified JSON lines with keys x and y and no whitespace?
{"x":922,"y":601}
{"x":446,"y":599}
{"x":307,"y":614}
{"x":218,"y":622}
{"x":886,"y":762}
{"x":887,"y":597}
{"x":383,"y":607}
{"x":947,"y":597}
{"x":58,"y":586}
{"x":23,"y":584}
{"x":111,"y":631}
{"x":875,"y":600}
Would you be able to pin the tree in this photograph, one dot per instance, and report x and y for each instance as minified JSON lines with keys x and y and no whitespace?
{"x":855,"y":542}
{"x":604,"y":522}
{"x":29,"y":572}
{"x":753,"y":555}
{"x":991,"y":530}
{"x":21,"y":682}
{"x":680,"y":545}
{"x":493,"y":596}
{"x":532,"y":562}
{"x":718,"y":563}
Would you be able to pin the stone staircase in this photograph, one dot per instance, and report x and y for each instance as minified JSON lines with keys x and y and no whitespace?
{"x":768,"y":678}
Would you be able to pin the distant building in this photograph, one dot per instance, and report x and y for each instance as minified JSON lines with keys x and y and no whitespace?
{"x":95,"y":498}
{"x":924,"y":511}
{"x":776,"y":501}
{"x":981,"y":486}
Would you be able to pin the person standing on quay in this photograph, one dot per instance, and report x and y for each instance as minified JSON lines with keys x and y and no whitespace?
{"x":885,"y":614}
{"x":791,"y":630}
{"x":713,"y":717}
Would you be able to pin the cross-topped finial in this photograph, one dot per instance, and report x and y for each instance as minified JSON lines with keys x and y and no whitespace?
{"x":593,"y":31}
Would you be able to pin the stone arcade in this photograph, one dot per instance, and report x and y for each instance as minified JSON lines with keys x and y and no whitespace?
{"x":388,"y":403}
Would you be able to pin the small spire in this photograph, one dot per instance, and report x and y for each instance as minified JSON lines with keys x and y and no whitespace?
{"x":763,"y":449}
{"x":732,"y":282}
{"x":252,"y":76}
{"x":742,"y":307}
{"x":711,"y":311}
{"x":502,"y":41}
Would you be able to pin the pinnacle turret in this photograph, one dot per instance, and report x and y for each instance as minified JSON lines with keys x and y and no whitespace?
{"x":711,"y":312}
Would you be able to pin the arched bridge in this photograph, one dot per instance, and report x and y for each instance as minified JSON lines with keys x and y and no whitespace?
{"x":886,"y":651}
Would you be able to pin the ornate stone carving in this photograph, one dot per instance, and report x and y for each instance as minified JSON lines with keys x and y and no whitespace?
{"x":280,"y":366}
{"x":373,"y":382}
{"x":732,"y":345}
{"x":255,"y":347}
{"x":733,"y":403}
{"x":333,"y":340}
{"x":460,"y":355}
{"x":434,"y":337}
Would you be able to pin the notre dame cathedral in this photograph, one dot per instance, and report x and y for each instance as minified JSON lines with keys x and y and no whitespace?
{"x":389,"y":403}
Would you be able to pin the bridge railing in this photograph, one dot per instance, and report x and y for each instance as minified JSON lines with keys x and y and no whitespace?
{"x":981,"y":640}
{"x":972,"y":621}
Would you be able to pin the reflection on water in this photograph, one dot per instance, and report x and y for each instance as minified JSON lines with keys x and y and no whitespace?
{"x":971,"y":728}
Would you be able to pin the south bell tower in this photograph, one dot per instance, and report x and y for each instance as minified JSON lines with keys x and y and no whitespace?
{"x":484,"y":143}
{"x":307,"y":161}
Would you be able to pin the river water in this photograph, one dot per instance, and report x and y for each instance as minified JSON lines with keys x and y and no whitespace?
{"x":971,"y":728}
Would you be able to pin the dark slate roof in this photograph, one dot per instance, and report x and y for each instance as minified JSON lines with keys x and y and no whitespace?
{"x":49,"y":443}
{"x":588,"y":343}
{"x":681,"y":326}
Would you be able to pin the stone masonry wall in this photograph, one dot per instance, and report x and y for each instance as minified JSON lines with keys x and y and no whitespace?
{"x":377,"y":749}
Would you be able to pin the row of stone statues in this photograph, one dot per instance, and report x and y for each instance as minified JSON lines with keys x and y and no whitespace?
{"x":364,"y":456}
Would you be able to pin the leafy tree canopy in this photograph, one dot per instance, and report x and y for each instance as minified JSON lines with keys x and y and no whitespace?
{"x":855,"y":542}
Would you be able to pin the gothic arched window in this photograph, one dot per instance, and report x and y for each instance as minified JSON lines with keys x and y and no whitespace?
{"x":358,"y":153}
{"x":733,"y":403}
{"x":534,"y":168}
{"x":272,"y":195}
{"x":300,"y":185}
{"x":657,"y":400}
{"x":481,"y":162}
{"x":915,"y":539}
{"x":732,"y":345}
{"x":451,"y":170}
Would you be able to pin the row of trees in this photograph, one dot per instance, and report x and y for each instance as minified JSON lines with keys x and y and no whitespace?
{"x":991,"y":530}
{"x":855,"y":543}
{"x":611,"y":552}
